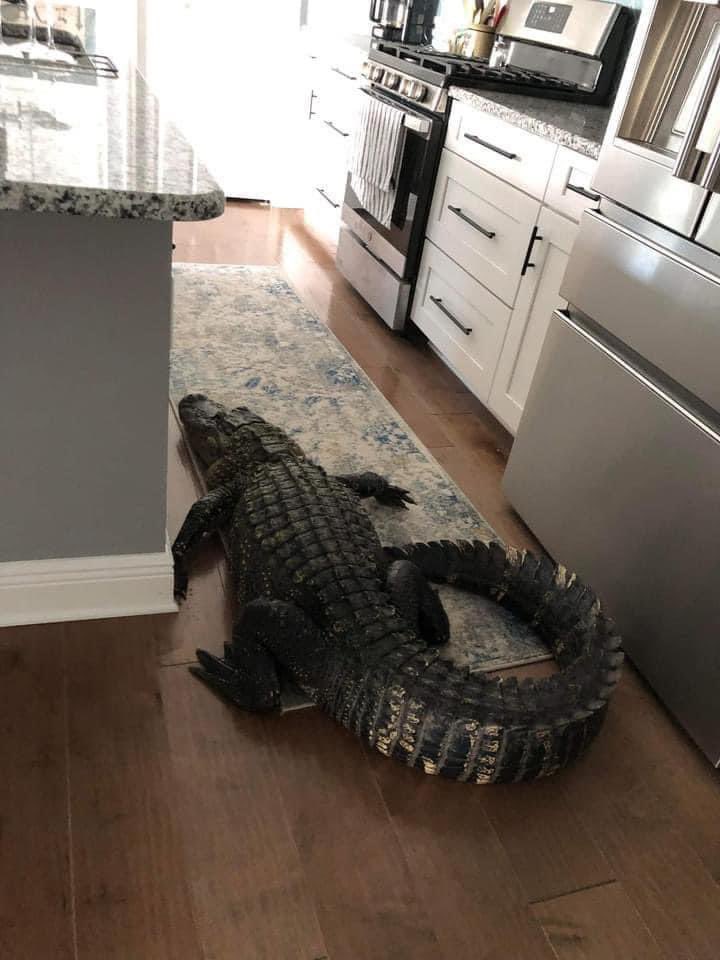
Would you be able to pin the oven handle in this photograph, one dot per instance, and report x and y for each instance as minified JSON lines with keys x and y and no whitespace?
{"x":413,"y":121}
{"x":441,"y":306}
{"x":463,"y":216}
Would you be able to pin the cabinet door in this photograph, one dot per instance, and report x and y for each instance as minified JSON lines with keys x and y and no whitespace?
{"x":538,"y":298}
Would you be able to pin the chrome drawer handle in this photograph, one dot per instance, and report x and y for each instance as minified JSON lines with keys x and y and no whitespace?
{"x":441,"y":306}
{"x":329,"y":123}
{"x":326,"y":197}
{"x":463,"y":216}
{"x":491,"y":146}
{"x":588,"y":194}
{"x":348,"y":76}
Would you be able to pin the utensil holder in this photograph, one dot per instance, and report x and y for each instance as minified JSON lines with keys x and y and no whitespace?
{"x":479,"y":42}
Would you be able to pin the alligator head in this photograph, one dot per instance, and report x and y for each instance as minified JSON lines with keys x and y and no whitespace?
{"x":236,"y":437}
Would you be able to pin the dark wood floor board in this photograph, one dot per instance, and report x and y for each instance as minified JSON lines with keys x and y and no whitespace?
{"x":364,"y":892}
{"x":251,"y":897}
{"x":36,"y":908}
{"x":597,"y":924}
{"x":479,"y":432}
{"x":409,"y":406}
{"x":680,"y":774}
{"x":550,"y":849}
{"x":479,"y":474}
{"x":131,"y":895}
{"x":644,"y":843}
{"x":470,"y":890}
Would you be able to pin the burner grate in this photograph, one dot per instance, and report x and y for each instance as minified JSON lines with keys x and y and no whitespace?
{"x":449,"y":68}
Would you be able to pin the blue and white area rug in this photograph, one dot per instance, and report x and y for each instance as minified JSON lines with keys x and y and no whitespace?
{"x":242,"y":336}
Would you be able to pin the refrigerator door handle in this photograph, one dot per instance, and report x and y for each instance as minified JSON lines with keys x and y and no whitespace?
{"x":686,"y":164}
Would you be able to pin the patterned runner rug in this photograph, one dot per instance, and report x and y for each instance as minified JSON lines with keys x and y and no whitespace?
{"x":243,"y":337}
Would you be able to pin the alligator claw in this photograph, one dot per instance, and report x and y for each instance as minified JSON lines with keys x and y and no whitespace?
{"x":180,"y":586}
{"x":225,"y":679}
{"x":214,"y":665}
{"x":394,"y":496}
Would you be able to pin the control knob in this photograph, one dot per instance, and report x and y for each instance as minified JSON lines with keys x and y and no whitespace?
{"x":391,"y":80}
{"x":414,"y":90}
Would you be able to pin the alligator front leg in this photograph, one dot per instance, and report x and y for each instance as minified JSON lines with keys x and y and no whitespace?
{"x":268,"y":633}
{"x":205,"y":517}
{"x":417,"y":602}
{"x":373,"y":485}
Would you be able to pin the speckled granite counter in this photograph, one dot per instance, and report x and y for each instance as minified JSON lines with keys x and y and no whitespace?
{"x":578,"y":126}
{"x":97,"y":149}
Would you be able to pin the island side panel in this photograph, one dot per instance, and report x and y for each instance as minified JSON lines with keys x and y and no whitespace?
{"x":85,"y":319}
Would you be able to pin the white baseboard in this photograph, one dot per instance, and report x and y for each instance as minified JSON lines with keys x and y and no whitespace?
{"x":86,"y":588}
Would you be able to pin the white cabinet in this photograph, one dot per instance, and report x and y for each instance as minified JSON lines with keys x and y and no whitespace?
{"x":463,"y":319}
{"x":538,"y":298}
{"x":334,"y":101}
{"x":483,"y":223}
{"x":496,"y":251}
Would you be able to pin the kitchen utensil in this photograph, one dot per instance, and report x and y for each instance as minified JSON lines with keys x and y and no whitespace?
{"x":500,"y":16}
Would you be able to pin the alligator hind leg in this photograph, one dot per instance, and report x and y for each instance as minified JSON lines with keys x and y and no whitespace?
{"x":417,"y":602}
{"x":373,"y":485}
{"x":267,"y":634}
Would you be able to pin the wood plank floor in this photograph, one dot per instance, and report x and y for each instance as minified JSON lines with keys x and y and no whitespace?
{"x":141,"y":818}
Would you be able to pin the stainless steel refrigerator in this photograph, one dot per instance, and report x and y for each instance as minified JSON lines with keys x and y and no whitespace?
{"x":616,"y":465}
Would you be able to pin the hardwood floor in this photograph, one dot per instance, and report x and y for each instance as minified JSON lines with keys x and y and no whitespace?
{"x":141,"y":818}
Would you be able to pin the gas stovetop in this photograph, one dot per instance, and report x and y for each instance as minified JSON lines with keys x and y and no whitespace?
{"x":391,"y":63}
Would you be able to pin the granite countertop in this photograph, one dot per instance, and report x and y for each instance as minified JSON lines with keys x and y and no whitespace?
{"x":578,"y":126}
{"x":97,"y":147}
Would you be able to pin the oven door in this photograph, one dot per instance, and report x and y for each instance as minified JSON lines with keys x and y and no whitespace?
{"x":661,"y":155}
{"x":400,"y":245}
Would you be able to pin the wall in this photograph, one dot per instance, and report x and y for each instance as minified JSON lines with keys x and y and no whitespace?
{"x":84,"y":343}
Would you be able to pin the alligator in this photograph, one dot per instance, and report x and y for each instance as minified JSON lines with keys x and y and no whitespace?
{"x":359,"y":628}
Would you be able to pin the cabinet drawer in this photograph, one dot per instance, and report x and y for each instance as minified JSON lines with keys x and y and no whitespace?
{"x":482,"y":223}
{"x":464,"y":321}
{"x":569,"y":191}
{"x":513,"y":154}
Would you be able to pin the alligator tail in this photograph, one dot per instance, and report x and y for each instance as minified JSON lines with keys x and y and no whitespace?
{"x":418,"y":708}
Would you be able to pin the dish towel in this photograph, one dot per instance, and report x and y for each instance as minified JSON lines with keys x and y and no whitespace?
{"x":377,"y":151}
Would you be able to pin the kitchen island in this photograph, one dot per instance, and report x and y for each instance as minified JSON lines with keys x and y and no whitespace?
{"x":92,"y":177}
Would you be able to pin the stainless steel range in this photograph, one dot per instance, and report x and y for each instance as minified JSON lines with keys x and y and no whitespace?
{"x":568,"y":51}
{"x":616,"y":465}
